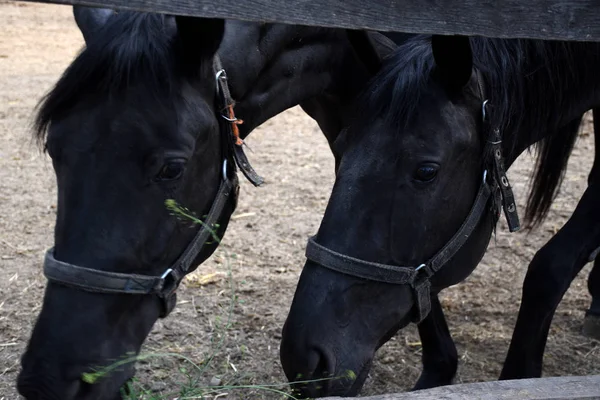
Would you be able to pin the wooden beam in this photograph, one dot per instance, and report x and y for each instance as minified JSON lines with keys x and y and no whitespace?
{"x":566,"y":387}
{"x":538,"y":19}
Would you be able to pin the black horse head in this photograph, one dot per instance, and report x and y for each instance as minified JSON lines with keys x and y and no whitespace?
{"x":381,"y":210}
{"x":408,"y":182}
{"x":135,"y":121}
{"x":132,"y":122}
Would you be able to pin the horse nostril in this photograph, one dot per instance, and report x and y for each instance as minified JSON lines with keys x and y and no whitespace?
{"x":317,"y":382}
{"x":73,"y":390}
{"x":324,"y":370}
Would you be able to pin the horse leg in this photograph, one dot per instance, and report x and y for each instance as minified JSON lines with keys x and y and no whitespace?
{"x":594,"y":176}
{"x":548,"y":277}
{"x":440,"y":359}
{"x":591,"y":323}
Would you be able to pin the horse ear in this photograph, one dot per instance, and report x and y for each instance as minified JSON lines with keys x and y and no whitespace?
{"x":89,"y":20}
{"x":365,"y":50}
{"x":200,"y":37}
{"x":453,"y":60}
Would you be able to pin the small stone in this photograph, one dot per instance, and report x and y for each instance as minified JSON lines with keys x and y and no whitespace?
{"x":389,"y":360}
{"x":158,"y":386}
{"x":215,"y":381}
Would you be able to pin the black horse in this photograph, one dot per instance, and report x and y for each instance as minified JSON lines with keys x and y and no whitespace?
{"x":418,"y":191}
{"x":137,"y":119}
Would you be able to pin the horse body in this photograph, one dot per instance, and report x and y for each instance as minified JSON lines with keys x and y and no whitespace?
{"x":132,"y":122}
{"x":292,"y":65}
{"x":408,"y":178}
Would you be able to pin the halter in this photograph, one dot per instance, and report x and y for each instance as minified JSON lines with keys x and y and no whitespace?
{"x":494,"y":184}
{"x":165,"y":285}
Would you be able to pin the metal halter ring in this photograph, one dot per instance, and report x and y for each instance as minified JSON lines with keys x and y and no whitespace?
{"x":166,"y":273}
{"x":483,"y":109}
{"x":224,"y":170}
{"x":229,"y":119}
{"x":167,"y":287}
{"x":220,"y":75}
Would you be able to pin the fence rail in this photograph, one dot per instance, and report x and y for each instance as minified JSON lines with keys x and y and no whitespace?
{"x":536,"y":19}
{"x":567,"y":387}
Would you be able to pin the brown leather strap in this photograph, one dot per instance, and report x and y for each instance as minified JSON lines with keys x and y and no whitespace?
{"x":238,"y":147}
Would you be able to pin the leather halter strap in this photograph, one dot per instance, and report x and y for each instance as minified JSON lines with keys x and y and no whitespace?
{"x":237,"y":144}
{"x":503,"y":190}
{"x":165,"y":285}
{"x":415,"y":276}
{"x":100,"y":281}
{"x":94,"y":280}
{"x":493,"y":185}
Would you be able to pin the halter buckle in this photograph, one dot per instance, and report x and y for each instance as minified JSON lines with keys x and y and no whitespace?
{"x":220,"y":75}
{"x":483,"y":109}
{"x":226,"y":118}
{"x":166,"y":273}
{"x":422,"y":272}
{"x":168,"y":283}
{"x":422,"y":298}
{"x":224,"y":171}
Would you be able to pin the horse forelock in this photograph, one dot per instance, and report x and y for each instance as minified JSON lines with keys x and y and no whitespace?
{"x":132,"y":49}
{"x":395,"y":91}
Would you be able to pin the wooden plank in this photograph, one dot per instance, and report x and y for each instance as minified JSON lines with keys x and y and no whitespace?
{"x":539,"y":19}
{"x":566,"y":387}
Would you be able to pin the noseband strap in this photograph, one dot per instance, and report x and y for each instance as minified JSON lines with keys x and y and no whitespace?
{"x":415,"y":276}
{"x":165,"y":285}
{"x":494,"y":186}
{"x":93,"y":280}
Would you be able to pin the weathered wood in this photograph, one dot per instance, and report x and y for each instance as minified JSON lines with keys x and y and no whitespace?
{"x":539,"y":19}
{"x":567,"y":387}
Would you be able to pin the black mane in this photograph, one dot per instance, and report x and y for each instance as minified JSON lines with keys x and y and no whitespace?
{"x":396,"y":90}
{"x":131,"y":48}
{"x":518,"y":73}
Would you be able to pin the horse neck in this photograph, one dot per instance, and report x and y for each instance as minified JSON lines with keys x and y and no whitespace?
{"x":549,"y":85}
{"x":285,"y":66}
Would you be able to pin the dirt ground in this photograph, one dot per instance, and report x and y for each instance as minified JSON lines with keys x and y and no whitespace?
{"x":263,"y":248}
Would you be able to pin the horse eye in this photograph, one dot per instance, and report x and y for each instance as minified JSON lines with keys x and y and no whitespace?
{"x":172,"y":170}
{"x":426,"y":173}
